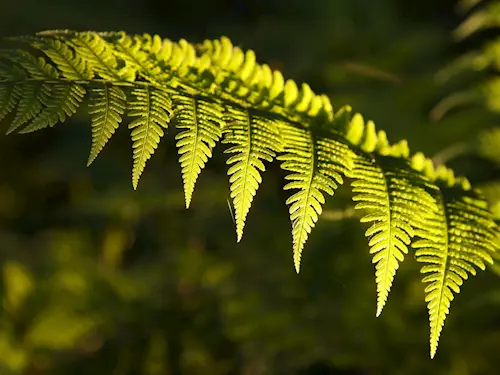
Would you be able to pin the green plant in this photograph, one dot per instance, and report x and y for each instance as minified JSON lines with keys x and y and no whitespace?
{"x":215,"y":92}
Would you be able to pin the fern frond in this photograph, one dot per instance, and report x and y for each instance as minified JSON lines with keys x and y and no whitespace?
{"x":459,"y":238}
{"x":71,"y":65}
{"x":456,"y":237}
{"x":99,"y":57}
{"x":9,"y":97}
{"x":254,"y":139}
{"x":216,"y":90}
{"x":63,"y":102}
{"x":202,"y":122}
{"x":33,"y":95}
{"x":152,"y":108}
{"x":317,"y":164}
{"x":395,"y":197}
{"x":107,"y":105}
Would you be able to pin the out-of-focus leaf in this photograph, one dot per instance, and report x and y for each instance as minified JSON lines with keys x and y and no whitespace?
{"x":18,"y":284}
{"x":60,"y":329}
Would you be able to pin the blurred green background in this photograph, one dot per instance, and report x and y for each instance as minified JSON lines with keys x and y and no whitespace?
{"x":99,"y":279}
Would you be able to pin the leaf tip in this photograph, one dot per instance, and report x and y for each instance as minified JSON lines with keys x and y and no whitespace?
{"x":187,"y":199}
{"x":433,"y":351}
{"x":239,"y":233}
{"x":296,"y":261}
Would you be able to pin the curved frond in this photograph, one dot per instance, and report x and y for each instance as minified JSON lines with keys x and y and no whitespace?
{"x":216,"y":90}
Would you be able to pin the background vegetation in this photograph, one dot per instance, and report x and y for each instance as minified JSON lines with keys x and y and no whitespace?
{"x":99,"y":279}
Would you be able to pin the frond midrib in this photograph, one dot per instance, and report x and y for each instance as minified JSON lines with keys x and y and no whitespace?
{"x":302,"y":231}
{"x":147,"y":120}
{"x":195,"y":143}
{"x":436,"y":332}
{"x":388,"y":207}
{"x":246,"y":175}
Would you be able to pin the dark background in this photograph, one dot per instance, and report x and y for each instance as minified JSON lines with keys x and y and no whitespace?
{"x":100,"y":279}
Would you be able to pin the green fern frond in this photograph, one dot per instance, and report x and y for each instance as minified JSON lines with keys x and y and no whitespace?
{"x":71,"y":65}
{"x":106,"y":107}
{"x":32,"y":94}
{"x":254,"y":139}
{"x":456,"y":237}
{"x":395,"y":197}
{"x":202,"y":123}
{"x":396,"y":201}
{"x":99,"y":57}
{"x":317,"y":164}
{"x":152,"y":108}
{"x":215,"y":90}
{"x":62,"y":103}
{"x":459,"y":237}
{"x":9,"y":97}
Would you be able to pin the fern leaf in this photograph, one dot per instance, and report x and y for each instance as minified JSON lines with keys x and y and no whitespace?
{"x":33,"y":94}
{"x":141,"y":53}
{"x":152,"y":107}
{"x":9,"y":96}
{"x":99,"y":57}
{"x":107,"y":105}
{"x":396,"y":201}
{"x":33,"y":97}
{"x":70,"y":64}
{"x":254,"y":139}
{"x":202,"y":123}
{"x":459,"y":237}
{"x":63,"y":103}
{"x":317,"y":165}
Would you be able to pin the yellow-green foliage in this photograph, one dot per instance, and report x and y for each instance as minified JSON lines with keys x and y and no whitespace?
{"x":214,"y":93}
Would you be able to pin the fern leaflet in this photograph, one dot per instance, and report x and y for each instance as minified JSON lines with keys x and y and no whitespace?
{"x":254,"y":139}
{"x":202,"y":121}
{"x":152,"y":108}
{"x":107,"y":105}
{"x":317,"y":165}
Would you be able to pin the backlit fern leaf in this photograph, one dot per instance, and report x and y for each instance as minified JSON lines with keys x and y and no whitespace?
{"x":33,"y":94}
{"x":63,"y":102}
{"x":395,"y":197}
{"x":71,"y":65}
{"x":202,"y":123}
{"x":99,"y":57}
{"x":459,"y":237}
{"x":152,"y":110}
{"x":106,"y":107}
{"x":254,"y":139}
{"x":316,"y":165}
